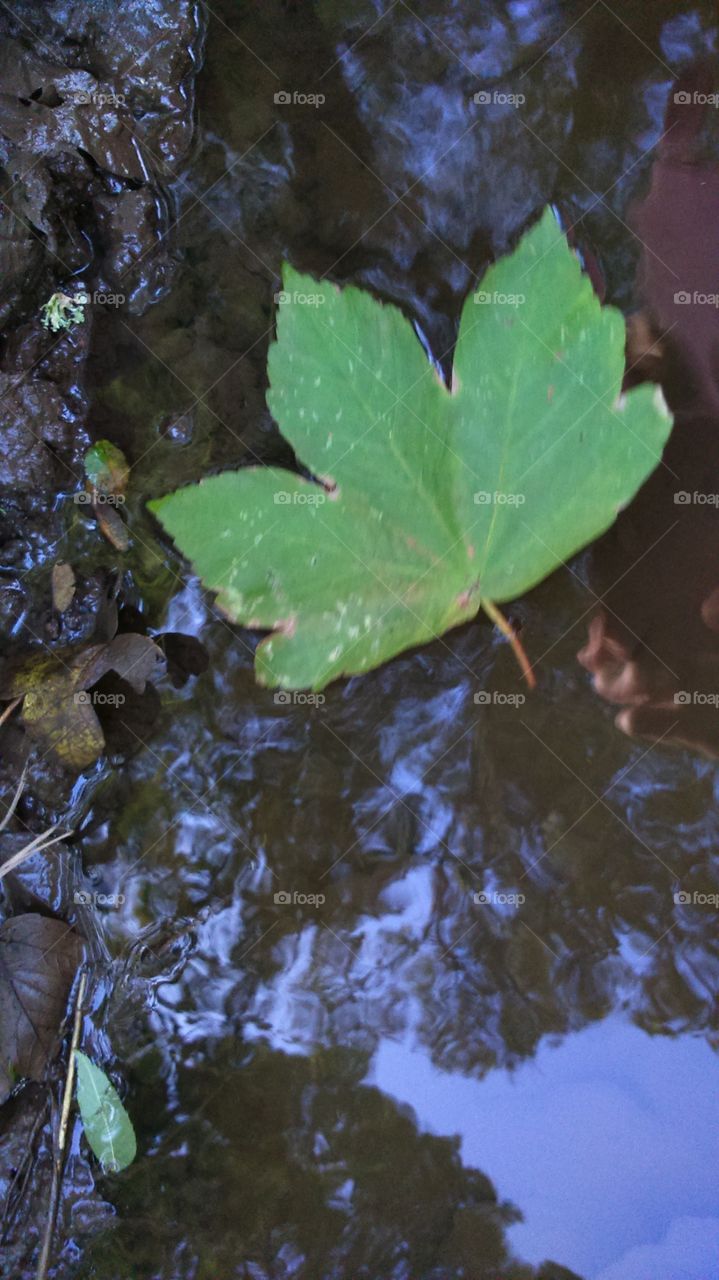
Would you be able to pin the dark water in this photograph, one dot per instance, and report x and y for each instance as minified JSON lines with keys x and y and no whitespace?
{"x":386,"y":1078}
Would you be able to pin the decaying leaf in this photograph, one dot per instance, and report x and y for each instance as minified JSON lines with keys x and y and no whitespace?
{"x":429,"y":502}
{"x":63,"y":587}
{"x":106,"y":475}
{"x":58,"y":708}
{"x":107,"y":469}
{"x":112,"y":526}
{"x":107,"y":1126}
{"x":39,"y":957}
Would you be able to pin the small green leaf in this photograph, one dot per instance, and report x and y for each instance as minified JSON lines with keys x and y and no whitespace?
{"x":428,"y":502}
{"x":106,"y":468}
{"x":108,"y":1127}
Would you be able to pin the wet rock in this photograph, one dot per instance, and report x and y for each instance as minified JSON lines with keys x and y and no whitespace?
{"x":95,"y":117}
{"x":41,"y":442}
{"x":129,"y":226}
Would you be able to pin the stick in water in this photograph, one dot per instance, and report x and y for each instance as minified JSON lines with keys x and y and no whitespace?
{"x":59,"y":1161}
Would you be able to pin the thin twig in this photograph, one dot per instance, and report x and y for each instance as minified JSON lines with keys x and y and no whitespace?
{"x":16,"y":797}
{"x":59,"y":1159}
{"x":38,"y":845}
{"x":10,"y":708}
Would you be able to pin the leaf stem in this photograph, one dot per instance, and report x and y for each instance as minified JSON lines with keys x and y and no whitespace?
{"x":500,"y":621}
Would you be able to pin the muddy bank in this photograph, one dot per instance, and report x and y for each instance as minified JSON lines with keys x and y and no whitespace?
{"x":96,"y":118}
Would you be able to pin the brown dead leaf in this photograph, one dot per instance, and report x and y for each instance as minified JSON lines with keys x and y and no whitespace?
{"x":112,"y":526}
{"x":58,"y":706}
{"x":134,"y":658}
{"x":39,"y":957}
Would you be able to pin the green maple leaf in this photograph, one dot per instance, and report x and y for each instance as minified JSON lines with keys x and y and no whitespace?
{"x":429,"y":501}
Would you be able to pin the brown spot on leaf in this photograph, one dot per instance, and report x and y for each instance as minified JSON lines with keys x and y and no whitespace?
{"x":287,"y":626}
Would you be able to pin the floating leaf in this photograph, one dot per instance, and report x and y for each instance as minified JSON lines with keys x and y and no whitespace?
{"x":106,"y":469}
{"x":429,"y":502}
{"x":58,"y":710}
{"x":39,"y":957}
{"x":107,"y":473}
{"x":108,"y":1128}
{"x":112,"y":526}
